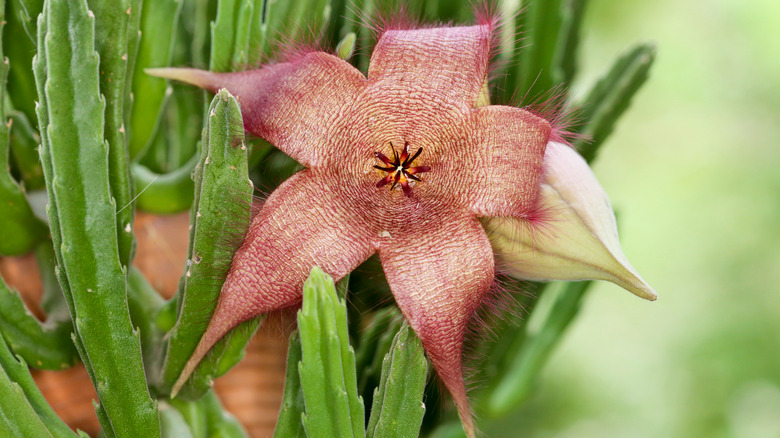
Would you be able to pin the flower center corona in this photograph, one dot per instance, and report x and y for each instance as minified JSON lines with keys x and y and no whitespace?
{"x":398,"y":169}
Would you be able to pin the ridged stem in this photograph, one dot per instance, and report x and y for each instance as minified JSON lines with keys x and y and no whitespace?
{"x":82,"y":217}
{"x":216,"y":219}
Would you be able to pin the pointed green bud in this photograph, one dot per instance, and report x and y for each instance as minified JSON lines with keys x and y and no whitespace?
{"x":346,"y":47}
{"x":577,"y":238}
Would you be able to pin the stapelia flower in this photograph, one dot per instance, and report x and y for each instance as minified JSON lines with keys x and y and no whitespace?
{"x":579,"y":239}
{"x":401,"y":163}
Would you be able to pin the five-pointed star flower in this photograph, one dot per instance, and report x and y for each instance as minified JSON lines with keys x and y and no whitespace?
{"x":452,"y":162}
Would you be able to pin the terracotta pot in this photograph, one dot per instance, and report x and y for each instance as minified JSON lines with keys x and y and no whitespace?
{"x":252,"y":391}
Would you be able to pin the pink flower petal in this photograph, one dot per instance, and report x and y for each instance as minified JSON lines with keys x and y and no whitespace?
{"x":294,"y":105}
{"x":438,"y":275}
{"x":301,"y":225}
{"x":503,"y":160}
{"x":440,"y":65}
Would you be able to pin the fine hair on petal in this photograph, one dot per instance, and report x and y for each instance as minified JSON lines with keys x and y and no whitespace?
{"x":553,"y":107}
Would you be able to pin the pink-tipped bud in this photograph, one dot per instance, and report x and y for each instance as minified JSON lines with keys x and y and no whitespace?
{"x":579,"y":240}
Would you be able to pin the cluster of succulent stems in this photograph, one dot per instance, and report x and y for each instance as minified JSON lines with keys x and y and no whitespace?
{"x":115,"y":140}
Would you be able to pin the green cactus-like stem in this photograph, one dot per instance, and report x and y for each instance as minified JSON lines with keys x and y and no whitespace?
{"x":327,"y":368}
{"x":144,"y":303}
{"x":199,"y":17}
{"x":24,"y":150}
{"x":537,"y":72}
{"x":133,"y":42}
{"x":243,"y":32}
{"x":230,"y":34}
{"x":289,"y":424}
{"x":158,"y":27}
{"x":166,"y":193}
{"x":398,"y":409}
{"x":358,"y":8}
{"x":496,"y":356}
{"x":172,"y":423}
{"x":206,"y":417}
{"x":611,"y":96}
{"x":530,"y":353}
{"x":565,"y":57}
{"x":20,"y":230}
{"x":257,"y":32}
{"x":375,"y":345}
{"x":21,"y":16}
{"x":184,"y":119}
{"x":45,"y":346}
{"x":220,"y":210}
{"x":444,"y":10}
{"x":289,"y":20}
{"x":82,"y":216}
{"x":25,"y":413}
{"x":112,"y":20}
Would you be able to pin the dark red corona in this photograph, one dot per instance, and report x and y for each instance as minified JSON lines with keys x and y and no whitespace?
{"x":398,"y":169}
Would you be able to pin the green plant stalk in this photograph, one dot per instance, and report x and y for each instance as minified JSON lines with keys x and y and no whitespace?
{"x":507,"y":52}
{"x":220,"y":359}
{"x":327,"y":368}
{"x":20,"y":230}
{"x":23,"y":410}
{"x":39,"y":68}
{"x":185,"y":122}
{"x":536,"y":69}
{"x":21,"y":24}
{"x":200,"y":34}
{"x":193,"y":414}
{"x":289,"y":424}
{"x":82,"y":209}
{"x":53,"y":301}
{"x":144,"y":303}
{"x":398,"y":409}
{"x":611,"y":96}
{"x":158,"y":26}
{"x":24,"y":150}
{"x":438,"y":10}
{"x":223,"y":34}
{"x":219,"y":422}
{"x":380,"y":323}
{"x":205,"y":417}
{"x":112,"y":21}
{"x":375,"y":346}
{"x":287,"y":20}
{"x":243,"y":33}
{"x":166,"y":193}
{"x":230,"y":34}
{"x":45,"y":346}
{"x":215,"y":220}
{"x":53,"y":304}
{"x":175,"y":141}
{"x":355,"y":11}
{"x":173,"y":424}
{"x":155,"y":157}
{"x":133,"y":42}
{"x":510,"y":329}
{"x":517,"y":382}
{"x":572,"y":13}
{"x":257,"y":32}
{"x":230,"y":427}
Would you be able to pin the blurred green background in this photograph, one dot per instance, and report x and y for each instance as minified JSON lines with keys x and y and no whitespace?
{"x":693,"y":169}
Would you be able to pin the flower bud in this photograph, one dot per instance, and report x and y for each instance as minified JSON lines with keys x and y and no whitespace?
{"x":576,"y":237}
